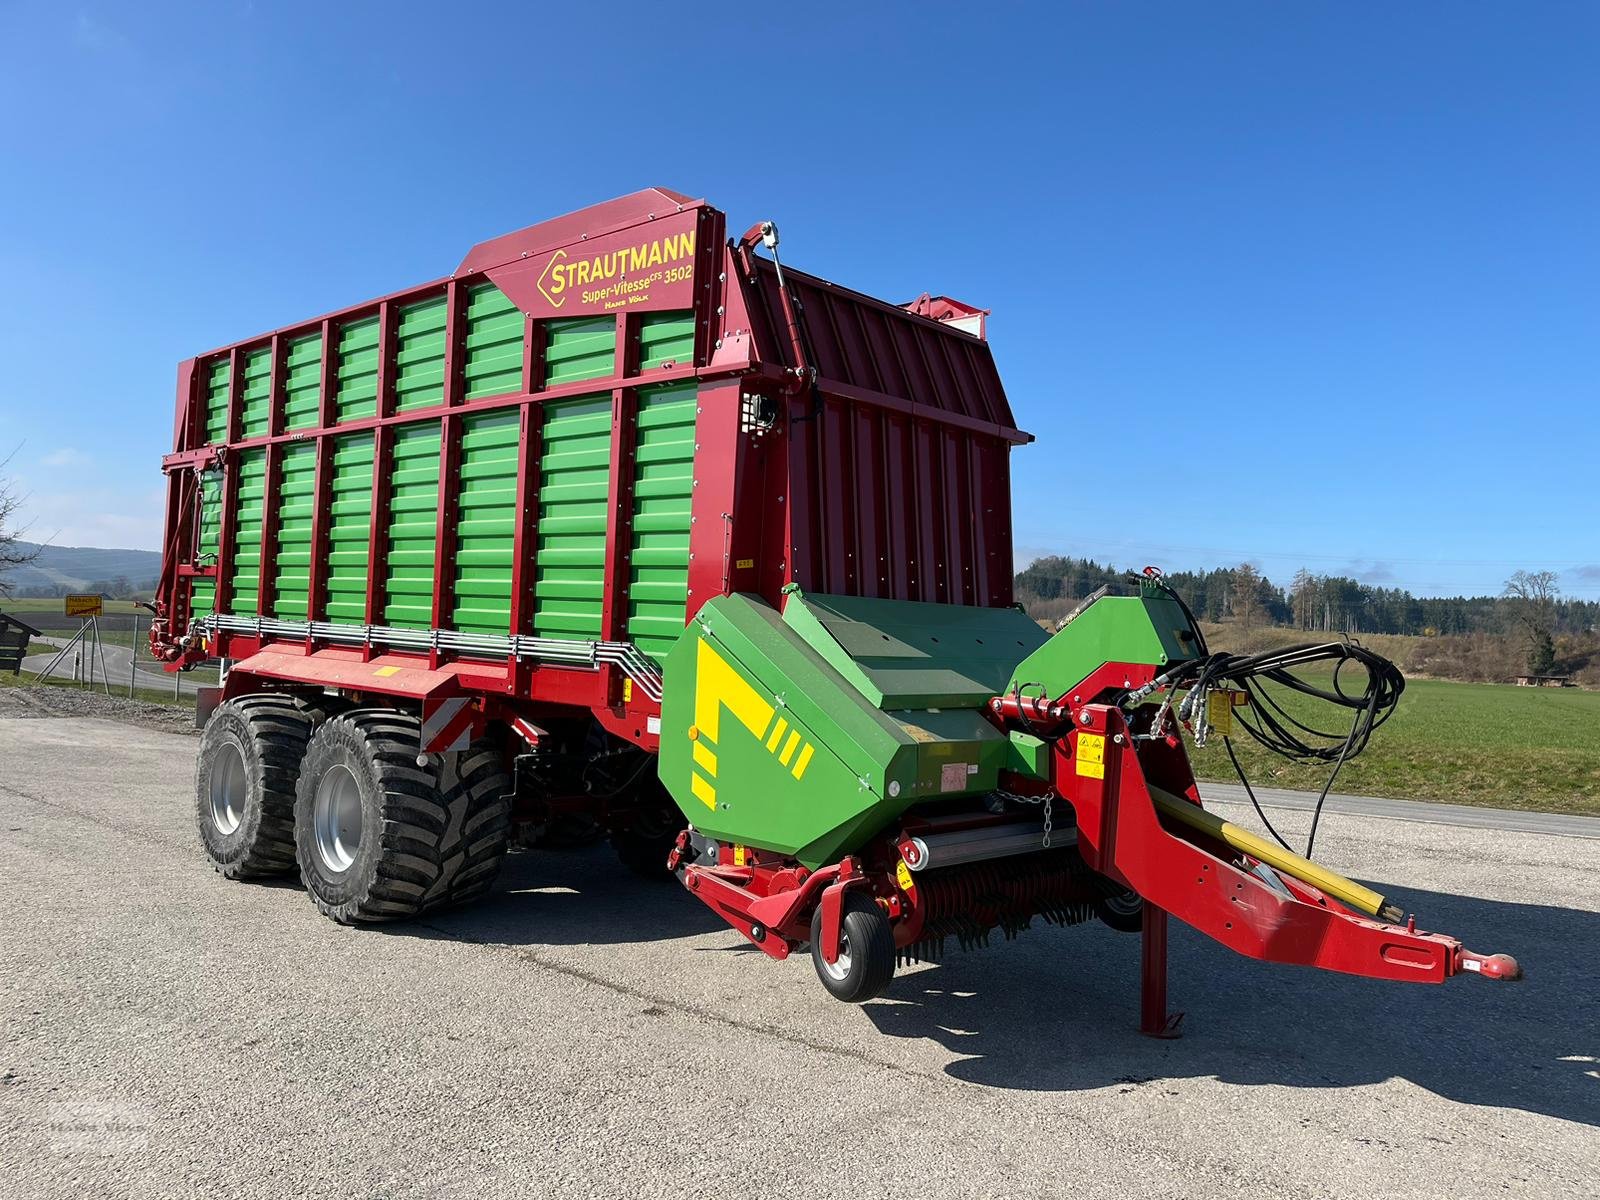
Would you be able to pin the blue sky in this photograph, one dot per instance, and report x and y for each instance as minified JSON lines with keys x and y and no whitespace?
{"x":1324,"y":275}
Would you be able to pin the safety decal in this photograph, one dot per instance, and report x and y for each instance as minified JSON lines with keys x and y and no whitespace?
{"x":1091,"y":757}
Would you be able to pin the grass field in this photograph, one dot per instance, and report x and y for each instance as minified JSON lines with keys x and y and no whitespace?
{"x":110,"y":637}
{"x":1467,"y":743}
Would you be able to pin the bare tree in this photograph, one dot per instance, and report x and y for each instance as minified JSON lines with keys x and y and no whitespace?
{"x":1303,"y":596}
{"x":1246,"y":590}
{"x":1533,"y":603}
{"x":14,"y":552}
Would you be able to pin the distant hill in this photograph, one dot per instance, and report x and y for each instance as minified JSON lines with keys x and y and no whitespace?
{"x":70,"y":568}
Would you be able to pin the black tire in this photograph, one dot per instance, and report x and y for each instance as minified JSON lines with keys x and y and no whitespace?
{"x":646,"y":857}
{"x":1122,"y":909}
{"x":643,"y":845}
{"x":391,"y":839}
{"x":866,"y":951}
{"x":245,"y":785}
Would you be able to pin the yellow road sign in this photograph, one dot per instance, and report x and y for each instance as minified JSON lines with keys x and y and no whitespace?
{"x":84,"y":605}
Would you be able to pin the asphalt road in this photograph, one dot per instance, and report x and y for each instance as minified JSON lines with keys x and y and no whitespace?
{"x":167,"y":1032}
{"x":116,"y":662}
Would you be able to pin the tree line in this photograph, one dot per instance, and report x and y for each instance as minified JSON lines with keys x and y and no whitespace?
{"x":1051,"y":587}
{"x":117,"y":588}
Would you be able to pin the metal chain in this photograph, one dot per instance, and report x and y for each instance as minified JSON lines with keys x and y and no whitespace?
{"x":1047,"y":800}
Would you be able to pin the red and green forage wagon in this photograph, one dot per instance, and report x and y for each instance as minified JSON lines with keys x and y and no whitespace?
{"x":622,"y":526}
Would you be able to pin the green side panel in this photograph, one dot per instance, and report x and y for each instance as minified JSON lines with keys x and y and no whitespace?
{"x":911,"y":654}
{"x":580,"y":348}
{"x":486,"y":519}
{"x":202,"y":600}
{"x":256,"y":394}
{"x":419,"y":355}
{"x":302,"y":382}
{"x":356,"y":373}
{"x":413,"y":516}
{"x":252,"y":485}
{"x":210,"y":523}
{"x":666,"y":337}
{"x":764,"y":743}
{"x":217,"y":401}
{"x":1028,"y":755}
{"x":574,"y":477}
{"x":1147,"y":628}
{"x":349,"y":529}
{"x":296,"y":499}
{"x":494,"y":343}
{"x":662,"y":484}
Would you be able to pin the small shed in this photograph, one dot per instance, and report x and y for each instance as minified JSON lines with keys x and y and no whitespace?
{"x":1545,"y":681}
{"x":14,"y":635}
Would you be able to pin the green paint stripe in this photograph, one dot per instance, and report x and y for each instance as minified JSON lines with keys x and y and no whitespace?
{"x":356,"y":373}
{"x":419,"y":355}
{"x":663,"y":486}
{"x":216,"y":389}
{"x":296,"y":503}
{"x":302,"y":382}
{"x":210,"y":531}
{"x":579,"y":348}
{"x":486,"y":508}
{"x":413,"y":516}
{"x":493,"y":365}
{"x":255,"y":393}
{"x":202,"y":598}
{"x":569,"y":560}
{"x":245,"y":583}
{"x":666,"y":337}
{"x":350,"y":515}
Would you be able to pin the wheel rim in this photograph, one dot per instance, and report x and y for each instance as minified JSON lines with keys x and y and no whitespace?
{"x":229,"y":787}
{"x":337,"y":818}
{"x":839,"y":969}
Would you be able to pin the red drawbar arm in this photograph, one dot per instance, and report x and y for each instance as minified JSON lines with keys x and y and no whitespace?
{"x":1120,"y":835}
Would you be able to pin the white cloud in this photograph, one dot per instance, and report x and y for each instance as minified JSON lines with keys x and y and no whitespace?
{"x":97,"y":517}
{"x":91,"y":33}
{"x":66,"y":456}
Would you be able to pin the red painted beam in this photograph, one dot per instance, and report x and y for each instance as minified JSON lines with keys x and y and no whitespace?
{"x":619,"y":508}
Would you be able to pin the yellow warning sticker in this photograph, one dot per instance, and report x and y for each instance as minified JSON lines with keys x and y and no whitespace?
{"x":385,"y":672}
{"x":738,"y":856}
{"x":902,"y":875}
{"x":1091,"y":758}
{"x":627,"y":691}
{"x":744,"y":564}
{"x":1219,"y":712}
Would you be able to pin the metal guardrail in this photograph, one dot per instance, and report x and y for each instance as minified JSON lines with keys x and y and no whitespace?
{"x":624,"y":655}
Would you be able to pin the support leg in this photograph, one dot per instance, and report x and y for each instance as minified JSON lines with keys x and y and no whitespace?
{"x":1154,"y":1020}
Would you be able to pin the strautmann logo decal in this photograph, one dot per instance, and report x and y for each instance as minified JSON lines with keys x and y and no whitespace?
{"x":618,"y":277}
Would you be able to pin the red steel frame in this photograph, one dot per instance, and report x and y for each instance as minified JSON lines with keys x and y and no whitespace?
{"x":897,"y":485}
